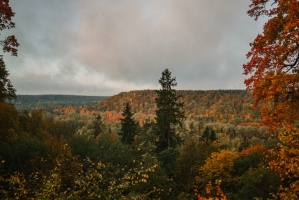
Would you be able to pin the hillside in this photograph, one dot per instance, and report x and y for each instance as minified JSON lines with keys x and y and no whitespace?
{"x":224,"y":106}
{"x":230,"y":107}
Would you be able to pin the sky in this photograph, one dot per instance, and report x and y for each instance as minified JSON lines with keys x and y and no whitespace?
{"x":104,"y":47}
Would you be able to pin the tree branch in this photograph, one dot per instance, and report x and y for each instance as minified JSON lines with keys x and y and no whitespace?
{"x":292,"y":65}
{"x":275,"y":1}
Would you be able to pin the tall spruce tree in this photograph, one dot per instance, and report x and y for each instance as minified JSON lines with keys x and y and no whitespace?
{"x":7,"y":91}
{"x":128,"y":126}
{"x":169,"y":112}
{"x":98,"y":126}
{"x":208,"y":135}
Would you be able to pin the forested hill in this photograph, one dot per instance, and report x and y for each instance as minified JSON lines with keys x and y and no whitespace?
{"x":226,"y":106}
{"x":30,"y":102}
{"x":64,"y":99}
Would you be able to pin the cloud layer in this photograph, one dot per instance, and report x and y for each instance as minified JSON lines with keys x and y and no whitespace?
{"x":105,"y":47}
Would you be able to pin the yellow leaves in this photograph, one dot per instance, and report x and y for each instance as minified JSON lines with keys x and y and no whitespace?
{"x":145,"y":176}
{"x":143,"y":180}
{"x":217,"y":167}
{"x":100,"y":165}
{"x":285,"y":159}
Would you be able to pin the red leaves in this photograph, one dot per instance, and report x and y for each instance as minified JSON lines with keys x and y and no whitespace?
{"x":274,"y":70}
{"x":274,"y":61}
{"x":6,"y":15}
{"x":10,"y":43}
{"x":257,"y":8}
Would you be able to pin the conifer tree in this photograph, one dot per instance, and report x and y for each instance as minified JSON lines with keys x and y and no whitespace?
{"x":169,"y":112}
{"x":98,"y":126}
{"x":128,"y":126}
{"x":7,"y":91}
{"x":208,"y":135}
{"x":9,"y":44}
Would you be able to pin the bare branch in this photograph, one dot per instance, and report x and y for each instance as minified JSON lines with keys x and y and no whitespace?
{"x":292,"y":65}
{"x":275,"y":1}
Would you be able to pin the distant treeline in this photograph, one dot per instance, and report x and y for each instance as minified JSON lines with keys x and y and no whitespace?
{"x":50,"y":102}
{"x":61,"y":99}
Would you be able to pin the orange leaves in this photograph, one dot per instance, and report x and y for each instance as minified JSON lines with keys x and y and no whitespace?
{"x":252,"y":149}
{"x":286,"y":162}
{"x":219,"y":194}
{"x":272,"y":75}
{"x":257,"y":8}
{"x":273,"y":66}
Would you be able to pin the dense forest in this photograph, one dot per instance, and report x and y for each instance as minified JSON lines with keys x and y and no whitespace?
{"x":226,"y":106}
{"x":48,"y":102}
{"x":46,"y":141}
{"x":226,"y":111}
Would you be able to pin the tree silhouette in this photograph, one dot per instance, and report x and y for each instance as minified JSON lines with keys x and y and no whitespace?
{"x":98,"y":126}
{"x":128,"y":126}
{"x":7,"y":91}
{"x":208,"y":135}
{"x":9,"y":44}
{"x":169,"y":112}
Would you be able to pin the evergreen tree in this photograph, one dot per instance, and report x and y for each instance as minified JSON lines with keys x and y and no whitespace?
{"x":169,"y":112}
{"x":7,"y":91}
{"x":128,"y":126}
{"x":244,"y":144}
{"x":209,"y":135}
{"x":98,"y":126}
{"x":9,"y":44}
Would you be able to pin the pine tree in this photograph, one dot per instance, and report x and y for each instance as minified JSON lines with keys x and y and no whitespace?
{"x":7,"y":91}
{"x":169,"y":112}
{"x":9,"y":44}
{"x":128,"y":126}
{"x":98,"y":126}
{"x":208,"y":135}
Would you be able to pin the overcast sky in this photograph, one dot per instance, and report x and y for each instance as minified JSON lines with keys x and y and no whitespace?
{"x":103,"y":47}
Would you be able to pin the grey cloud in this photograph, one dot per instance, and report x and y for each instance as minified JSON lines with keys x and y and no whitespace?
{"x":45,"y":84}
{"x":130,"y":42}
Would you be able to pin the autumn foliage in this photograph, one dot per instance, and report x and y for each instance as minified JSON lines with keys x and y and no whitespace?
{"x":70,"y":154}
{"x":273,"y":64}
{"x":274,"y":80}
{"x":285,"y":162}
